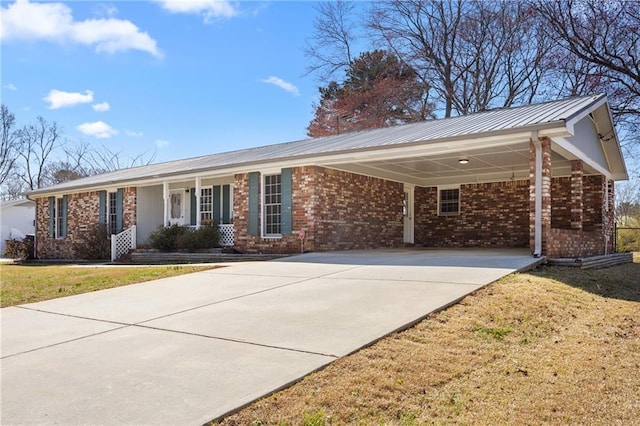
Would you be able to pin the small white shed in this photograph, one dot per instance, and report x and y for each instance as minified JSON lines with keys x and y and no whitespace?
{"x":17,"y":220}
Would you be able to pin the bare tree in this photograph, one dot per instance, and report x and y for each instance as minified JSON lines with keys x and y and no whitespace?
{"x":102,"y":160}
{"x":8,"y":144}
{"x":606,"y":36}
{"x":330,"y":49}
{"x":475,"y":55}
{"x":38,"y":142}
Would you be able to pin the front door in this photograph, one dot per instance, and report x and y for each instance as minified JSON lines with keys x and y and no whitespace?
{"x":407,"y":210}
{"x":176,"y":207}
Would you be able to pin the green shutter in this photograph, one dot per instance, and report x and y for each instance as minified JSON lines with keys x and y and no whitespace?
{"x":226,"y":199}
{"x":102,"y":208}
{"x":52,"y":216}
{"x":216,"y":204}
{"x":194,"y":207}
{"x":287,"y":201}
{"x":119,"y":209}
{"x":65,"y":203}
{"x":254,"y":203}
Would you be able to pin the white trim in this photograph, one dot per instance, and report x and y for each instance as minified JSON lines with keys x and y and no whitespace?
{"x":263,"y":206}
{"x":447,"y":187}
{"x":198,"y":190}
{"x":538,"y":196}
{"x":570,"y":151}
{"x":165,"y":197}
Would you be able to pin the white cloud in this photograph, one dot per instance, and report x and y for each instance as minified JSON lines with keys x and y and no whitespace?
{"x":54,"y":22}
{"x":133,"y":134}
{"x":161,"y":143}
{"x":101,"y":107}
{"x":209,"y":8}
{"x":99,"y":129}
{"x":284,"y":85}
{"x":104,"y":9}
{"x":59,"y":99}
{"x":10,"y":86}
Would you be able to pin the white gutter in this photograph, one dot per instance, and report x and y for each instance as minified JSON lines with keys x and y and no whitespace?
{"x":537,"y":251}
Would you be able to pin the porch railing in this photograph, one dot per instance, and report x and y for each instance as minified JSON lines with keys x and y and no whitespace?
{"x":226,"y":231}
{"x":122,"y":243}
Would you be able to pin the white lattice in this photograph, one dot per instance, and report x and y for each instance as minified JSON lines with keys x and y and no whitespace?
{"x":226,"y":235}
{"x":123,"y":242}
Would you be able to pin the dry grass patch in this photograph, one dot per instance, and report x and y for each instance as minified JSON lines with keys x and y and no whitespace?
{"x":557,"y":345}
{"x":33,"y":283}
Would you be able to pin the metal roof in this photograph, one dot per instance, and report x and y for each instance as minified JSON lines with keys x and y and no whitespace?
{"x":506,"y":120}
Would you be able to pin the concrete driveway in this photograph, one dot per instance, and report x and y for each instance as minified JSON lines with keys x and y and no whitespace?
{"x":188,"y":349}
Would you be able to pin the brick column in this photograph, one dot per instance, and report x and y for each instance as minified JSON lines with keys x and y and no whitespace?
{"x":577,"y":207}
{"x":545,"y":184}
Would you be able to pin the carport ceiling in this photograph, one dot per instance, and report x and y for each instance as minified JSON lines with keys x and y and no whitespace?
{"x":485,"y":165}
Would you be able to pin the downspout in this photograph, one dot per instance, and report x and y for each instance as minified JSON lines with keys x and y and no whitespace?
{"x":537,"y":251}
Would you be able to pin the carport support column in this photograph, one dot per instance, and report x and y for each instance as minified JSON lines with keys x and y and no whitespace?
{"x":165,"y":197}
{"x":539,"y":193}
{"x":577,"y":206}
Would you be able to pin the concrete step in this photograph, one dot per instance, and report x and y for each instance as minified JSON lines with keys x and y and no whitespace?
{"x":212,"y":256}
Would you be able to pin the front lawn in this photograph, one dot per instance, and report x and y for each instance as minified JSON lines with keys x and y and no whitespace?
{"x":33,"y":283}
{"x":555,"y":346}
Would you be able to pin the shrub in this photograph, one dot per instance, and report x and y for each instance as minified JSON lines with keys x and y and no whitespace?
{"x":19,"y":249}
{"x":176,"y":237}
{"x":94,"y":243}
{"x":166,"y":238}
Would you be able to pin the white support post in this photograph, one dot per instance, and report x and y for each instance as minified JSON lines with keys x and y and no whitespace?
{"x":198,"y":193}
{"x":538,"y":194}
{"x":114,"y":248}
{"x":165,"y":197}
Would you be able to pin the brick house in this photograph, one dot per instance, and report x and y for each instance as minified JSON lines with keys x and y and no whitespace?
{"x":539,"y":176}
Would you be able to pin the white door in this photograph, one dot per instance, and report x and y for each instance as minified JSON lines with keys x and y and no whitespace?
{"x":176,"y":207}
{"x":407,"y":210}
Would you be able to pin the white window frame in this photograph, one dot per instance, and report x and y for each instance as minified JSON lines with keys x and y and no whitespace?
{"x":439,"y":195}
{"x":206,"y":214}
{"x":263,"y":210}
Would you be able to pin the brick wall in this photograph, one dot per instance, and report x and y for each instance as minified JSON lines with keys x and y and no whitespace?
{"x":574,"y":243}
{"x":561,"y":202}
{"x":337,"y":210}
{"x":82,"y":213}
{"x":491,"y":215}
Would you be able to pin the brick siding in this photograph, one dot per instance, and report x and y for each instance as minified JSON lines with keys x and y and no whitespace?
{"x":82,"y":213}
{"x":491,"y":215}
{"x":337,"y":210}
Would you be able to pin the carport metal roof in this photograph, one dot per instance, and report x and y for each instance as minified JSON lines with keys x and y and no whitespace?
{"x":496,"y":142}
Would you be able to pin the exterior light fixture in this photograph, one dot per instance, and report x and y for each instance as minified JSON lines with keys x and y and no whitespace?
{"x":463,"y":161}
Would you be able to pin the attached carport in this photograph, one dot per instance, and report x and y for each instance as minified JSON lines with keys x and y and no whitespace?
{"x":564,"y":156}
{"x":188,"y":349}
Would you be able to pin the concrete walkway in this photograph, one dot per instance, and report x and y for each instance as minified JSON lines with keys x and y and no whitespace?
{"x":188,"y":349}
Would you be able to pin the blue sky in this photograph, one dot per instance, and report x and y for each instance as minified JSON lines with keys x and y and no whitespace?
{"x":181,"y":78}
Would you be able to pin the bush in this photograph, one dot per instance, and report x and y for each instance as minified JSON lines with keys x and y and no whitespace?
{"x":176,"y":237}
{"x":93,"y":244}
{"x":19,"y":249}
{"x":628,"y":239}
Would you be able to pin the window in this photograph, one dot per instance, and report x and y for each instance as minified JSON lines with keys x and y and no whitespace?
{"x":59,"y":218}
{"x":206,"y":205}
{"x":272,"y":205}
{"x":112,"y":213}
{"x":449,"y":201}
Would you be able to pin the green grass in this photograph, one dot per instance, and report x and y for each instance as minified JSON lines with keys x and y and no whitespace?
{"x":553,"y":346}
{"x":33,"y":283}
